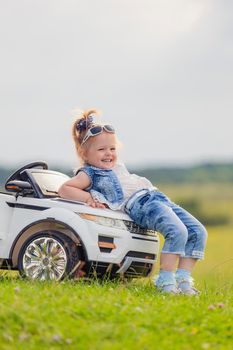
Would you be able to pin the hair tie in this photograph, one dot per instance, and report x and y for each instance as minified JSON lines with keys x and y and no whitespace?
{"x":84,"y":123}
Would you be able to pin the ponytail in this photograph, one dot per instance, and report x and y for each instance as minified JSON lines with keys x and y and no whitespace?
{"x":80,"y":127}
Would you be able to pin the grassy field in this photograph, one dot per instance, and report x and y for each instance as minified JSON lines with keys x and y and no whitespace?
{"x":212,"y":203}
{"x":93,"y":315}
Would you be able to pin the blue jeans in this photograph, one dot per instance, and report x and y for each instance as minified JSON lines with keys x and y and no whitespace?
{"x":183,"y":233}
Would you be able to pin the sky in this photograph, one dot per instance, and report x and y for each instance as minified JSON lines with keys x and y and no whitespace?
{"x":160,"y":71}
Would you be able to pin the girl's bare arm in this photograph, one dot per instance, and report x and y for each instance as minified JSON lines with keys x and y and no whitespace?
{"x":74,"y":189}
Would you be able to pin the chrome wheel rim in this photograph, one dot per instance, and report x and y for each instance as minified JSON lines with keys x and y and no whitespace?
{"x":45,"y":259}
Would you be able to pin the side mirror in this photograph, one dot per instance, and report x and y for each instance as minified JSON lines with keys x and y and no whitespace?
{"x":19,"y":186}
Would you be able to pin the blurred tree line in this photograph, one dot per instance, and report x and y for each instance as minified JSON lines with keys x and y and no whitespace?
{"x":203,"y":173}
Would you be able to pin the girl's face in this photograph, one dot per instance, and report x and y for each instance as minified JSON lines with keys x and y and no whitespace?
{"x":101,"y":151}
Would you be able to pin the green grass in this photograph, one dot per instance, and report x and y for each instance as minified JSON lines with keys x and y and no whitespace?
{"x":95,"y":316}
{"x":92,"y":315}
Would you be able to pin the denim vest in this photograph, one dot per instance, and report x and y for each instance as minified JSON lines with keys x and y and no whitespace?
{"x":105,"y":186}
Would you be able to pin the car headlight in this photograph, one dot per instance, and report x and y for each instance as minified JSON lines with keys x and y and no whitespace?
{"x":102,"y":220}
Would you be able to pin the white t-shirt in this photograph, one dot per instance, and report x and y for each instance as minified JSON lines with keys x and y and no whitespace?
{"x":131,"y":183}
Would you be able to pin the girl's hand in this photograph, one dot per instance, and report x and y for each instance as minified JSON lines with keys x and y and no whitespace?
{"x":94,"y":203}
{"x":99,"y":205}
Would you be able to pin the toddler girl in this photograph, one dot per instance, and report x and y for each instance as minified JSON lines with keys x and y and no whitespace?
{"x":104,"y":182}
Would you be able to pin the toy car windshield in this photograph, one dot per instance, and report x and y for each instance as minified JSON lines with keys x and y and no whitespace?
{"x":35,"y":180}
{"x":48,"y":181}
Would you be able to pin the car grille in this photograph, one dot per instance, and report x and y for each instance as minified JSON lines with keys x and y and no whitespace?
{"x":134,"y":228}
{"x":141,"y":255}
{"x":138,"y":269}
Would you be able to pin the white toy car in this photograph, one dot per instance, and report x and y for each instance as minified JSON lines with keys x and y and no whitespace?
{"x":47,"y":237}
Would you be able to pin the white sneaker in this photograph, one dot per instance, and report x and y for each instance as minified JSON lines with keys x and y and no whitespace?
{"x":187,"y":289}
{"x":169,"y":289}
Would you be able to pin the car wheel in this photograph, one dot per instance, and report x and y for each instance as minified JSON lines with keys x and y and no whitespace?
{"x":48,"y":255}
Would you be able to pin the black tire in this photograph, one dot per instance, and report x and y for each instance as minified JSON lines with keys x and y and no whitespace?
{"x":48,"y":255}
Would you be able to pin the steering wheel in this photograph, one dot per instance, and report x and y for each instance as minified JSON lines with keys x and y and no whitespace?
{"x":17,"y":174}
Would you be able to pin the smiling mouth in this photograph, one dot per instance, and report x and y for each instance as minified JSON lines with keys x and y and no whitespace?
{"x":107,"y":160}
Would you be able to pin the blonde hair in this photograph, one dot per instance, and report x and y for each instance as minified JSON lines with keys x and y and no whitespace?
{"x":86,"y":121}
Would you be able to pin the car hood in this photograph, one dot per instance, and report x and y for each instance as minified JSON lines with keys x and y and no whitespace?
{"x":74,"y":206}
{"x":80,"y":207}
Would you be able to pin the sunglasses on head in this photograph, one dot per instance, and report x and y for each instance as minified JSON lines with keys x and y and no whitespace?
{"x":96,"y":130}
